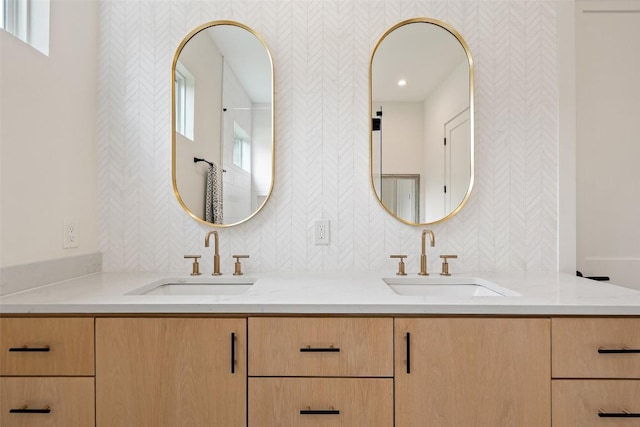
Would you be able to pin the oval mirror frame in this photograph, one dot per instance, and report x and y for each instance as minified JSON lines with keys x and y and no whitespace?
{"x":174,"y":149}
{"x":406,"y":175}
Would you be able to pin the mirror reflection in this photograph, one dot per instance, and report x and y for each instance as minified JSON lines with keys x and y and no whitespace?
{"x":223,"y":132}
{"x":421,"y":80}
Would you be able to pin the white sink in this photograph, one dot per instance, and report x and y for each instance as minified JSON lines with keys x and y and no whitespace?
{"x":442,"y":286}
{"x":196,"y":286}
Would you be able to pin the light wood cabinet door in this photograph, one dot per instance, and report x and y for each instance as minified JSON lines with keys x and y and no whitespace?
{"x":316,"y":402}
{"x":170,"y":372}
{"x":596,"y":403}
{"x":46,"y":346}
{"x":323,"y":347}
{"x":46,"y":402}
{"x":596,"y":347}
{"x":472,"y":372}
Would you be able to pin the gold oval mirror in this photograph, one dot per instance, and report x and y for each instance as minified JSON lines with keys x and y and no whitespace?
{"x":421,"y":145}
{"x":223,"y":123}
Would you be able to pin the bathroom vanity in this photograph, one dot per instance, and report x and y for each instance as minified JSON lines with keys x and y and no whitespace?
{"x":327,"y":349}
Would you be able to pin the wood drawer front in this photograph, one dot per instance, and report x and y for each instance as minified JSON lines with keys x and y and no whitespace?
{"x":71,"y":401}
{"x":366,"y":402}
{"x":575,"y":345}
{"x":365,"y":347}
{"x":70,"y":342}
{"x":578,"y":402}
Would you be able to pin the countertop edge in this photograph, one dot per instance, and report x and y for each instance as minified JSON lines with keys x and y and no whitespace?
{"x":329,"y":293}
{"x":321,"y":309}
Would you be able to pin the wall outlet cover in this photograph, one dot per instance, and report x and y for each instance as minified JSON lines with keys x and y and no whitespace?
{"x":321,"y":232}
{"x":70,"y":234}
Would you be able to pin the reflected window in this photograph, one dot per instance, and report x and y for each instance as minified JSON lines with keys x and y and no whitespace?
{"x":184,"y":87}
{"x":28,"y":20}
{"x":241,"y":148}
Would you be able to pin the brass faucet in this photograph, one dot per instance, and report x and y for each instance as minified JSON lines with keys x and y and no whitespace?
{"x":423,"y":255}
{"x":195,"y":271}
{"x":238,"y":265}
{"x":401,"y":271}
{"x":445,"y":264}
{"x":216,"y":254}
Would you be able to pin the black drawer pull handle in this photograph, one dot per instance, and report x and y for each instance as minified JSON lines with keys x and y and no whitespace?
{"x":623,"y":350}
{"x":233,"y":352}
{"x":408,"y":338}
{"x":330,"y":349}
{"x":26,"y":410}
{"x":24,"y":348}
{"x":623,"y":414}
{"x":319,"y":412}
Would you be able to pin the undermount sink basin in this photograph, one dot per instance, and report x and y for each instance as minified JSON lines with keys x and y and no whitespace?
{"x":203,"y":286}
{"x":446,"y":287}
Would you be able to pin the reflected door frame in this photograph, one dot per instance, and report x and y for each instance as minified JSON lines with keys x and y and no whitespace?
{"x":457,"y":174}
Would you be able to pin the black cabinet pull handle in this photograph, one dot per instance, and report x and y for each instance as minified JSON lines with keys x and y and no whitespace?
{"x":233,"y":352}
{"x":319,"y":412}
{"x":24,"y":348}
{"x":330,"y":349}
{"x":623,"y":414}
{"x":26,"y":410}
{"x":408,"y":338}
{"x":619,"y":350}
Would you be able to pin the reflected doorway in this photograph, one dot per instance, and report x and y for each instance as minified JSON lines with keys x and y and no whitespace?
{"x":400,"y":193}
{"x":457,"y":151}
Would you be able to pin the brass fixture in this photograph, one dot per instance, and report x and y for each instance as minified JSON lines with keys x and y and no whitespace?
{"x":423,"y":255}
{"x":445,"y":264}
{"x":401,"y":271}
{"x":216,"y":254}
{"x":195,"y":268}
{"x":238,"y":270}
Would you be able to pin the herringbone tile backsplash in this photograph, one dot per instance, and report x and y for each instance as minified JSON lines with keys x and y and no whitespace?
{"x":321,"y":53}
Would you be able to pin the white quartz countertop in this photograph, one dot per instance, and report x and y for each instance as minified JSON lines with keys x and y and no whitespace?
{"x":324,"y":293}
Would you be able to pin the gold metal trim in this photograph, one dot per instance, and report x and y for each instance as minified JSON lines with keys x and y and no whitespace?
{"x":173,"y":120}
{"x":457,"y":35}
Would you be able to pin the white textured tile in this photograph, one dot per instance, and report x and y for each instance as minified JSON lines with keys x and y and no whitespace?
{"x":321,"y":52}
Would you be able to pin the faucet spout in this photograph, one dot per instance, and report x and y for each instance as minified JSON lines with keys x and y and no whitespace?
{"x":423,"y":255}
{"x":216,"y":253}
{"x":432,"y":238}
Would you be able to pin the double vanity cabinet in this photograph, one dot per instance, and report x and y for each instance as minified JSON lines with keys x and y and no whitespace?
{"x":319,"y":371}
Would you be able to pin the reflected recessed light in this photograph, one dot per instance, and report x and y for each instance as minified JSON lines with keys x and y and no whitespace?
{"x":402,"y":82}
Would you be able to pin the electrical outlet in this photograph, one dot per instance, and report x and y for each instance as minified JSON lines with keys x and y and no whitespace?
{"x":70,"y":234}
{"x":322,"y":232}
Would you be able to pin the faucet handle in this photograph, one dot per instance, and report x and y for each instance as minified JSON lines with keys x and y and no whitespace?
{"x":400,"y":264}
{"x":195,"y":268}
{"x":238,"y":265}
{"x":445,"y":264}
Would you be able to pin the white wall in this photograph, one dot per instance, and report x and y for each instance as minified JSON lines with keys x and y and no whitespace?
{"x":607,"y":150}
{"x":237,"y":181}
{"x":566,"y":137}
{"x":207,"y":73}
{"x":402,"y":133}
{"x":48,"y":138}
{"x":321,"y":52}
{"x":449,"y":99}
{"x":261,"y":147}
